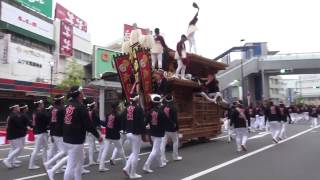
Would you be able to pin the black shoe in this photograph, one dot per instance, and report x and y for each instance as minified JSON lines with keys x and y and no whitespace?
{"x":274,"y":140}
{"x":112,"y":162}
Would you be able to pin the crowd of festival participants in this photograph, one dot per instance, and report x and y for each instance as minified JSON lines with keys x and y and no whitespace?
{"x":268,"y":117}
{"x":66,"y":127}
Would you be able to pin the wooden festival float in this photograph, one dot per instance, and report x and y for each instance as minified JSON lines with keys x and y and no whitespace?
{"x":198,"y":118}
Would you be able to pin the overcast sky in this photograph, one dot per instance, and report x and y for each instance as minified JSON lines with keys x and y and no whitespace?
{"x":287,"y":25}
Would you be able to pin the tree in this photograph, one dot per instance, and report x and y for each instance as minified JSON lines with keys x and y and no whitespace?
{"x":74,"y":75}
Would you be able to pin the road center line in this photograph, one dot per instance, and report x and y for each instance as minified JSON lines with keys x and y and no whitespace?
{"x":214,"y":168}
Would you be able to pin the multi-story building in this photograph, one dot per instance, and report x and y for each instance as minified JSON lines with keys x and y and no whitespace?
{"x":31,"y":59}
{"x":277,"y":89}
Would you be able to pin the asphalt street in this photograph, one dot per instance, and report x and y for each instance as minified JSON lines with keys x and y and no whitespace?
{"x":295,"y":158}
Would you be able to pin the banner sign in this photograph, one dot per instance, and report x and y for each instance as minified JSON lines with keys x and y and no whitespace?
{"x":19,"y":18}
{"x":4,"y":48}
{"x":125,"y":71}
{"x":103,"y":61}
{"x":127,"y":31}
{"x":66,"y":39}
{"x":145,"y":75}
{"x":65,"y":15}
{"x":41,"y":6}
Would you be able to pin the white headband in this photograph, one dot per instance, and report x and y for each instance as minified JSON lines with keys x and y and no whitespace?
{"x":25,"y":106}
{"x":59,"y":98}
{"x":14,"y":106}
{"x":38,"y":102}
{"x":89,"y":105}
{"x":50,"y":107}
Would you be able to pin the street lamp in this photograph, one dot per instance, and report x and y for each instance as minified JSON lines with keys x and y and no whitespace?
{"x":51,"y":76}
{"x":242,"y":73}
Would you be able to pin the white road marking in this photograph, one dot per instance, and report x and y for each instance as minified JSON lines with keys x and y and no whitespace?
{"x":44,"y":174}
{"x":214,"y":168}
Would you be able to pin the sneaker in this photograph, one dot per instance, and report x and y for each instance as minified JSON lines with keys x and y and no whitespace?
{"x":7,"y":164}
{"x":126,"y":172}
{"x":50,"y":174}
{"x":93,"y":163}
{"x":274,"y":140}
{"x":85,"y":171}
{"x":45,"y":166}
{"x":16,"y":165}
{"x":147,"y":170}
{"x":244,"y":148}
{"x":112,"y":162}
{"x":279,"y":139}
{"x":103,"y":169}
{"x":179,"y":158}
{"x":60,"y":171}
{"x":135,"y":176}
{"x":33,"y":167}
{"x":163,"y":165}
{"x":17,"y":162}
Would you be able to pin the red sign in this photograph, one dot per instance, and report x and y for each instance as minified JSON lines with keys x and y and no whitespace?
{"x":66,"y":39}
{"x":127,"y":30}
{"x":125,"y":70}
{"x":145,"y":75}
{"x":65,"y":15}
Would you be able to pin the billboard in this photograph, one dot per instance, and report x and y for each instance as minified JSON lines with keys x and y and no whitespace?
{"x":103,"y":61}
{"x":26,"y":64}
{"x":65,"y":15}
{"x":66,"y":39}
{"x":19,"y":18}
{"x":41,"y":6}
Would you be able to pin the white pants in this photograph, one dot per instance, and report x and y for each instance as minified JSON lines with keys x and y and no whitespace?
{"x":275,"y":128}
{"x":117,"y":146}
{"x":40,"y":143}
{"x":156,"y":58}
{"x":155,"y":153}
{"x":314,"y":121}
{"x":306,"y":116}
{"x":131,"y":165}
{"x":262,"y":122}
{"x":252,"y":123}
{"x":241,"y":137}
{"x":283,"y":131}
{"x":174,"y":136}
{"x":75,"y":161}
{"x":91,"y":143}
{"x":61,"y":148}
{"x":182,"y":68}
{"x":192,"y":43}
{"x":53,"y":148}
{"x":123,"y":138}
{"x":16,"y":147}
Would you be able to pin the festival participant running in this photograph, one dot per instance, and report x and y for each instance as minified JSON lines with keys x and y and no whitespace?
{"x":76,"y":124}
{"x":95,"y":121}
{"x":240,"y":123}
{"x":156,"y":122}
{"x":171,"y":130}
{"x":56,"y":123}
{"x":16,"y":132}
{"x":273,"y":117}
{"x":284,"y":116}
{"x":314,"y":116}
{"x":113,"y":126}
{"x":40,"y":122}
{"x":251,"y":115}
{"x":56,"y":132}
{"x":135,"y":127}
